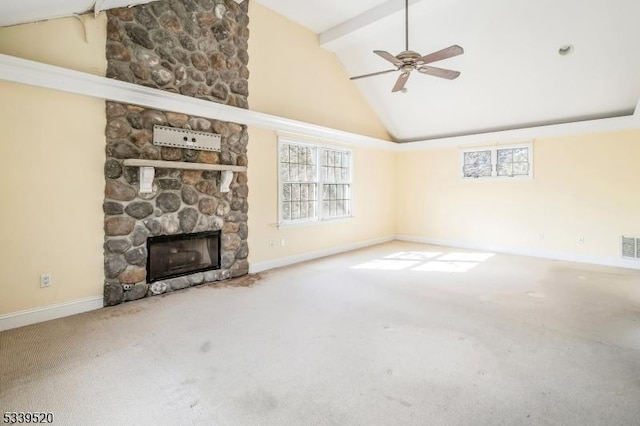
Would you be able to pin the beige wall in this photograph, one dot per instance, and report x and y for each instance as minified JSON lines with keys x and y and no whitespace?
{"x":584,"y":186}
{"x":51,"y":171}
{"x":76,"y":43}
{"x":291,"y":76}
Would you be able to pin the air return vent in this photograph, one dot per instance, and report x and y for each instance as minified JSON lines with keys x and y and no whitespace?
{"x":631,"y":247}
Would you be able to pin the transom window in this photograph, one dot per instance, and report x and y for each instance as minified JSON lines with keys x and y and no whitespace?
{"x":315,"y":183}
{"x":501,"y":161}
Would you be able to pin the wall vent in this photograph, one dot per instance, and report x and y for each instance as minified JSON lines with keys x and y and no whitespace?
{"x":631,"y":247}
{"x":184,"y":138}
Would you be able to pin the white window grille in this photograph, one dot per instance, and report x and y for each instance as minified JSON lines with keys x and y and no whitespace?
{"x":514,"y":161}
{"x":315,"y":183}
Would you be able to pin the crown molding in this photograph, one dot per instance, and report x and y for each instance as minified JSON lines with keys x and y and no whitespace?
{"x":602,"y":125}
{"x":33,"y":73}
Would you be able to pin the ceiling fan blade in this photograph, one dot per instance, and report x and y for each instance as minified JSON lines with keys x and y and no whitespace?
{"x":402,"y":80}
{"x":448,"y":52}
{"x":439,"y":72}
{"x":372,"y":74}
{"x":389,"y":57}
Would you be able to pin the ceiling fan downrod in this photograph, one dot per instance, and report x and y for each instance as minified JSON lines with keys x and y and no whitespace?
{"x":406,"y":24}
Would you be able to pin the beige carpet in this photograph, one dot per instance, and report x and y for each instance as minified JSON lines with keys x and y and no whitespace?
{"x":398,"y":334}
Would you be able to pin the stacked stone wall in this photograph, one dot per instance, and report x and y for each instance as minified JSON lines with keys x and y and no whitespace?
{"x":198,"y":49}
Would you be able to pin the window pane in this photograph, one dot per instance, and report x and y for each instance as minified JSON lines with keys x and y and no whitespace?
{"x":295,"y":210}
{"x":284,"y":172}
{"x":505,"y":155}
{"x":286,"y":211}
{"x":513,"y":162}
{"x":477,"y":163}
{"x":302,"y":173}
{"x":303,"y":210}
{"x":284,"y":153}
{"x":286,"y":192}
{"x":521,"y":154}
{"x":505,"y":169}
{"x":520,"y":168}
{"x":310,"y":173}
{"x":295,"y":192}
{"x":304,"y":192}
{"x":293,"y":173}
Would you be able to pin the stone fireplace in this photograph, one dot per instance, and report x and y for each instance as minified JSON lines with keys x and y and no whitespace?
{"x":196,"y":48}
{"x":170,"y":256}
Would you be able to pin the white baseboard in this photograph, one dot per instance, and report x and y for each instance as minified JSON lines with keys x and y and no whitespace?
{"x":570,"y":257}
{"x":46,"y":313}
{"x":286,"y":261}
{"x":60,"y":310}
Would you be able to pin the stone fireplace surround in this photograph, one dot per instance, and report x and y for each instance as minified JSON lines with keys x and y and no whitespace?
{"x":196,"y":48}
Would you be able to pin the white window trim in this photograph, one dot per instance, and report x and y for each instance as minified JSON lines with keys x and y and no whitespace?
{"x":494,"y":163}
{"x":288,"y":140}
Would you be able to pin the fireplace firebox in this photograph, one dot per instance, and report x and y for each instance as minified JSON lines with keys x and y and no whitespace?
{"x":171,"y":256}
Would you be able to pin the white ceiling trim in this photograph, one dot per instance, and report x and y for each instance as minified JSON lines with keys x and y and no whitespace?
{"x":613,"y":124}
{"x":33,"y":73}
{"x":101,"y":5}
{"x":364,"y":19}
{"x":57,"y":78}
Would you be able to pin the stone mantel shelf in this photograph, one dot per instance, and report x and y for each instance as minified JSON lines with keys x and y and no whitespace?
{"x":225,"y":169}
{"x":182,"y":165}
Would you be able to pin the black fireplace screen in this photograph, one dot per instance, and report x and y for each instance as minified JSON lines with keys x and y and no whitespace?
{"x":172,"y":256}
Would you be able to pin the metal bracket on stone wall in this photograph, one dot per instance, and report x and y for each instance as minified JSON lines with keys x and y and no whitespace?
{"x":225,"y":182}
{"x":184,"y":138}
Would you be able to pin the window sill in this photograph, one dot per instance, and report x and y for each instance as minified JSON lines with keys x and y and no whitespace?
{"x":315,"y":223}
{"x":518,"y":178}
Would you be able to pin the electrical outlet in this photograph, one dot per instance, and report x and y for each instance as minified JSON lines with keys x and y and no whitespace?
{"x":45,"y":280}
{"x":580,"y":240}
{"x":282,"y":242}
{"x":541,"y":236}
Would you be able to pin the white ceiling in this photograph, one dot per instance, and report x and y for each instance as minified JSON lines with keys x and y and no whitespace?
{"x":512,"y":75}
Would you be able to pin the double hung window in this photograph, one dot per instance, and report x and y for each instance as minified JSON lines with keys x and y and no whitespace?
{"x":315,"y":183}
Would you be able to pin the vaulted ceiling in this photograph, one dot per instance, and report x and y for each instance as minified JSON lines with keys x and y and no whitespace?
{"x":512,"y":73}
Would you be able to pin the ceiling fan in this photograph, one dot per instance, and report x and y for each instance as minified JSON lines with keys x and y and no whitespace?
{"x":408,"y":60}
